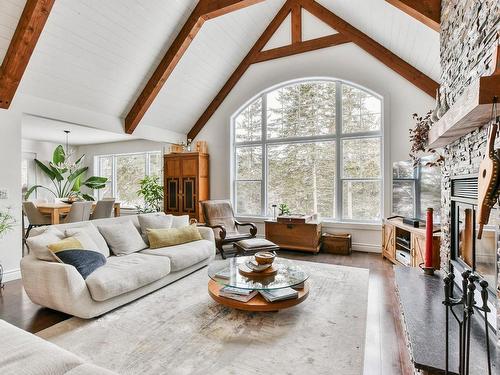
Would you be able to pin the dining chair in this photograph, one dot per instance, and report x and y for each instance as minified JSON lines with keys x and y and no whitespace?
{"x":103,"y":209}
{"x":79,"y":211}
{"x":35,"y":217}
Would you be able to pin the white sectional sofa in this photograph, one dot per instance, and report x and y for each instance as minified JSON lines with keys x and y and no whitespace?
{"x":25,"y":354}
{"x":121,"y":280}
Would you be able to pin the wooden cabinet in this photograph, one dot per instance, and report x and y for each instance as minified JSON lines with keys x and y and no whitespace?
{"x":409,"y":241}
{"x":186,"y":183}
{"x":303,"y":237}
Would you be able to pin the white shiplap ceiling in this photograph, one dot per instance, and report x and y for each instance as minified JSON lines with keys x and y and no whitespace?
{"x":97,"y":55}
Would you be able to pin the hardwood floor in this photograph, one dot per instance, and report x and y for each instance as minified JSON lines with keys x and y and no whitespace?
{"x":385,"y":350}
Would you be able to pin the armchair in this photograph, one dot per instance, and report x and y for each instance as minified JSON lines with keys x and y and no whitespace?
{"x":219,"y":216}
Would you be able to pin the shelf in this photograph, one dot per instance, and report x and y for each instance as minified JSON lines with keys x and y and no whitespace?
{"x":470,"y":111}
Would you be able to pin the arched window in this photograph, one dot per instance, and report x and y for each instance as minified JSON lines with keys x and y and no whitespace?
{"x":315,"y":145}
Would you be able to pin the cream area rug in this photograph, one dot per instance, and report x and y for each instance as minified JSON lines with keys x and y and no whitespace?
{"x":180,"y":330}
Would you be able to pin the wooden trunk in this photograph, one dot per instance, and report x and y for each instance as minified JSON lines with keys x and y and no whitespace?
{"x":302,"y":237}
{"x":186,"y":183}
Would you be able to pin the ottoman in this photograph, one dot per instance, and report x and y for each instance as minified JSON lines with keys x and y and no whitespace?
{"x":253,"y":245}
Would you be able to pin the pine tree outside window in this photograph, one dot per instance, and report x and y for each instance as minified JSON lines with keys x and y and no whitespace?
{"x":315,"y":145}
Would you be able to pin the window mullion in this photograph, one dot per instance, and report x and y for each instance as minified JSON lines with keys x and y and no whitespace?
{"x":263,"y":186}
{"x":338,"y":151}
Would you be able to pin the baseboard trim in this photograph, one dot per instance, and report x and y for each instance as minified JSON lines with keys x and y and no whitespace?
{"x":366,"y":247}
{"x":11,"y":275}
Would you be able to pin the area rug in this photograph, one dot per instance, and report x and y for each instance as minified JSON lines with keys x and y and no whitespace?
{"x":180,"y":330}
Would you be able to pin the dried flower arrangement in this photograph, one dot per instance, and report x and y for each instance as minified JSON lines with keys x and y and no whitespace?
{"x":419,"y":138}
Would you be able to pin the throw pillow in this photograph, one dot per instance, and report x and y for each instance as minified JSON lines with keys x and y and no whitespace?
{"x":65,"y":244}
{"x":179,"y":221}
{"x":122,"y":238}
{"x":173,"y":236}
{"x":91,"y":229}
{"x":38,"y":244}
{"x":86,"y":237}
{"x":153,"y":221}
{"x":85,"y":261}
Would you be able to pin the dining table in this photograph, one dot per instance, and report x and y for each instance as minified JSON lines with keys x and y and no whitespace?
{"x":55,"y":210}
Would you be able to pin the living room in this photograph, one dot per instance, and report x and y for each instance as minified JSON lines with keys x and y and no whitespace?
{"x":290,"y":177}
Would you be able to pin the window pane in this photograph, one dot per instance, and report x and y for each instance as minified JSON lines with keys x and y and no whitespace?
{"x":430,"y":191}
{"x":361,"y":200}
{"x":248,"y":197}
{"x":361,"y":111}
{"x":304,"y":109}
{"x":155,"y":167}
{"x":403,"y":196}
{"x":361,"y":158}
{"x":249,"y":163}
{"x":403,"y":169}
{"x":130,"y":169}
{"x":302,"y":175}
{"x":249,"y":123}
{"x":106,"y":170}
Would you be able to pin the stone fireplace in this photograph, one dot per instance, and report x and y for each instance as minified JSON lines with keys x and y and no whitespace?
{"x":469,"y":34}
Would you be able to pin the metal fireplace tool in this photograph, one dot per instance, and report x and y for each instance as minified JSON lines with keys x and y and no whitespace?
{"x":468,"y":305}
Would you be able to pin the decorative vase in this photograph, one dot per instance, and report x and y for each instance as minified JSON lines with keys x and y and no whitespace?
{"x":443,"y":108}
{"x":434,"y":116}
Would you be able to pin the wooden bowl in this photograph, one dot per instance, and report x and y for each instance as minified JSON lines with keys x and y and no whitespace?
{"x":265,"y":257}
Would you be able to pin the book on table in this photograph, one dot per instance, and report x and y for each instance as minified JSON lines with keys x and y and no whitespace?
{"x":242,"y":295}
{"x":223,"y":274}
{"x":274,"y":295}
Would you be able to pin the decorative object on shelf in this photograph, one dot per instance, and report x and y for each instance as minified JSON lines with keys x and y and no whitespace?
{"x":489,"y":179}
{"x":284,"y":209}
{"x":202,"y":147}
{"x":176,"y":148}
{"x":7,"y":223}
{"x":434,"y":116}
{"x":67,"y":176}
{"x":467,"y":305}
{"x":443,"y":105}
{"x":429,"y":229}
{"x":419,"y":137}
{"x":152,"y":192}
{"x":189,"y":144}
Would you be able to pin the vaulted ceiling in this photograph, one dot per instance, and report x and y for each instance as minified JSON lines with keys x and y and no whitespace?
{"x":98,"y":55}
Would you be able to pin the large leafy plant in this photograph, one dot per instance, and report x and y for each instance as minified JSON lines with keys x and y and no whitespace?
{"x":152,"y":192}
{"x":67,"y":177}
{"x":7,"y":222}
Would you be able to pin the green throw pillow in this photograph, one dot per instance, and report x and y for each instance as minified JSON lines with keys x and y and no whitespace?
{"x":172,"y":236}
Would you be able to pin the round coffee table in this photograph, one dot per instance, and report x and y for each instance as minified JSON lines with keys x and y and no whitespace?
{"x":226,"y":273}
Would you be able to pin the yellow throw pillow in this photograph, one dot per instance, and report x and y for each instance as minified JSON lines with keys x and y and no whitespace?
{"x":69,"y":243}
{"x":172,"y":236}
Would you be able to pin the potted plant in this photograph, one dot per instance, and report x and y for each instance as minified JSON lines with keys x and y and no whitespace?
{"x":7,"y":222}
{"x":67,"y":177}
{"x":152,"y":192}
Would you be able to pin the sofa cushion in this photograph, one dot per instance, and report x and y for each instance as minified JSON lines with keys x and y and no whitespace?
{"x":122,"y":238}
{"x":172,"y":236}
{"x":158,"y":220}
{"x":179,"y":221}
{"x":126,"y":273}
{"x":185,"y":255}
{"x":90,"y":369}
{"x":39,"y":244}
{"x":24,"y":353}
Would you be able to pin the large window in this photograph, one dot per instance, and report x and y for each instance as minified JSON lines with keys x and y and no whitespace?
{"x":314,"y":145}
{"x":124,"y":171}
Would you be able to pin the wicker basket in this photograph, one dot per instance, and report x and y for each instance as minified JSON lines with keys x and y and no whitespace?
{"x":337,"y":243}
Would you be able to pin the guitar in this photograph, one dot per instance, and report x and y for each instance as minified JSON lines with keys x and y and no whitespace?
{"x":488,"y":180}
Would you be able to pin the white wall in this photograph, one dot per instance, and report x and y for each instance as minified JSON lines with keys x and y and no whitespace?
{"x":10,"y":179}
{"x":347,"y":62}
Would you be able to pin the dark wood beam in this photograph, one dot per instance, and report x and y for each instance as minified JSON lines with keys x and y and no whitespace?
{"x":296,"y":23}
{"x":204,"y":10}
{"x":21,"y":47}
{"x":241,"y":69}
{"x":375,"y":49}
{"x":307,"y":46}
{"x":426,"y":11}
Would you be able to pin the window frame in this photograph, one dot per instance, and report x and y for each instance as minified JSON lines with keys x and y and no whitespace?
{"x":337,"y":137}
{"x":114,"y":189}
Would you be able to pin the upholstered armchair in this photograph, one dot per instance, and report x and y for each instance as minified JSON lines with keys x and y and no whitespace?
{"x":219,"y":216}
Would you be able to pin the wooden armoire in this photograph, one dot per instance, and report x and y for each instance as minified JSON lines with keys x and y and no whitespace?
{"x":186,"y":183}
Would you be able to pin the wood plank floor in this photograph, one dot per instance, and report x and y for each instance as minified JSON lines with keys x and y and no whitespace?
{"x":385,"y":349}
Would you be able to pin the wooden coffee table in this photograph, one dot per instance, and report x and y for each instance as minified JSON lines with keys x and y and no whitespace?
{"x":288,"y":274}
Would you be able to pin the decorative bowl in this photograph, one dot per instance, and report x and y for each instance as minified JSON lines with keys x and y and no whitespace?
{"x":265,"y":257}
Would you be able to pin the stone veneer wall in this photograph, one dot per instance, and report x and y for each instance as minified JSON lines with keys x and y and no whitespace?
{"x":469,"y":33}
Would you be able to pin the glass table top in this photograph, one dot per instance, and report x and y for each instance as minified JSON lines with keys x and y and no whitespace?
{"x":226,"y":272}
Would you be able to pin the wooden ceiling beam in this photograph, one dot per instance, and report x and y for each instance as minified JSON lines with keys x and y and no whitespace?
{"x":21,"y":47}
{"x":297,"y":48}
{"x":375,"y":49}
{"x":242,"y":68}
{"x":204,"y":10}
{"x":296,"y":23}
{"x":426,"y":11}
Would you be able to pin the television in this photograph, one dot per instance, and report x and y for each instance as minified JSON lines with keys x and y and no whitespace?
{"x":416,"y":188}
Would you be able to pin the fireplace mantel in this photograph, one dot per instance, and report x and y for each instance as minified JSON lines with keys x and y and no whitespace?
{"x":470,"y":111}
